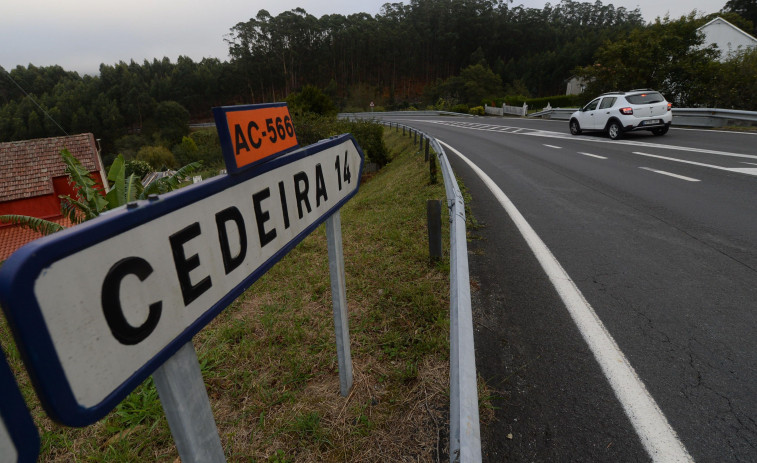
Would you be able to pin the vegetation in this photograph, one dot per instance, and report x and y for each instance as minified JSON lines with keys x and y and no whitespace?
{"x":269,"y":360}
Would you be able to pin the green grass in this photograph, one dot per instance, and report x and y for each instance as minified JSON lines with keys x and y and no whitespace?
{"x":269,"y":360}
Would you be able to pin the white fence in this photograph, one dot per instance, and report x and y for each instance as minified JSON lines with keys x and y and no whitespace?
{"x":505,"y":109}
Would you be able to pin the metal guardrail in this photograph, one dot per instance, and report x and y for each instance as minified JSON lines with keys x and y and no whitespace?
{"x":712,"y":117}
{"x":694,"y":117}
{"x":465,"y":432}
{"x":369,"y":115}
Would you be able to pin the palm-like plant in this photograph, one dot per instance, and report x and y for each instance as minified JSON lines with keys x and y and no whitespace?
{"x":91,"y":200}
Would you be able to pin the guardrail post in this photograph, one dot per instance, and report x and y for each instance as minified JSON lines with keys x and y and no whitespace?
{"x":427,"y":149}
{"x":434,"y":226}
{"x":432,"y":169}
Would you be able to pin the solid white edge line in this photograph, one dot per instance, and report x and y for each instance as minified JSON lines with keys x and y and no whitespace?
{"x":657,"y":436}
{"x":671,"y":174}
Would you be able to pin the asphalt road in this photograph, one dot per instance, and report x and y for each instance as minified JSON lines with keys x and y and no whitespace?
{"x":659,"y":235}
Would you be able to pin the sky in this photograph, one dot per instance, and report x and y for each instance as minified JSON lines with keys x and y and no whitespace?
{"x":80,"y":34}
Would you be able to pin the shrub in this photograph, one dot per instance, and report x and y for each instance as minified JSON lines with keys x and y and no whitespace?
{"x":139,"y":168}
{"x":370,"y":137}
{"x":158,"y":157}
{"x":460,"y":108}
{"x":477,"y":111}
{"x":208,"y":147}
{"x":186,"y":151}
{"x":311,"y":100}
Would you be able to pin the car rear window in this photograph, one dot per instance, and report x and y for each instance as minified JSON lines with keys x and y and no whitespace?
{"x":643,"y":98}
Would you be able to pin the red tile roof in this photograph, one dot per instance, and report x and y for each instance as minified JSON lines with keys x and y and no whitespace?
{"x":13,"y":237}
{"x":27,"y":167}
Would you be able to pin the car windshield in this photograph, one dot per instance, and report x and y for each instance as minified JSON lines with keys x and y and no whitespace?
{"x":643,"y":98}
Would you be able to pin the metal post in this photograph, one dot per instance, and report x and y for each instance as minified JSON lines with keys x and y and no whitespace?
{"x":415,"y":136}
{"x":187,"y":407}
{"x":339,"y":300}
{"x":434,"y":225}
{"x":432,"y":170}
{"x":427,"y":149}
{"x":403,"y":130}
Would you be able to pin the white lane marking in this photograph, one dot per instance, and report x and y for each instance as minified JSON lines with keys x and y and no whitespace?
{"x":741,"y":170}
{"x":656,"y":434}
{"x":670,"y":174}
{"x":592,"y":155}
{"x":750,"y":163}
{"x":560,"y":135}
{"x":554,"y":147}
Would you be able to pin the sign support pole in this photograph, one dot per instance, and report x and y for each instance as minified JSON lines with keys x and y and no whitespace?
{"x":187,"y":407}
{"x":339,"y":298}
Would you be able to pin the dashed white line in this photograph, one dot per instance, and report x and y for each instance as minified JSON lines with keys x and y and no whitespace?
{"x":745,"y":170}
{"x":554,"y":147}
{"x":592,"y":155}
{"x":656,"y":434}
{"x":671,"y":174}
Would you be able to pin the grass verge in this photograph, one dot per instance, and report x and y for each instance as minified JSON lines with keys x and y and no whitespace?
{"x":269,"y":360}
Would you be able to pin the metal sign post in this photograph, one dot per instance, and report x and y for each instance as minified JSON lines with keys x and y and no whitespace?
{"x":339,"y":301}
{"x":187,"y":407}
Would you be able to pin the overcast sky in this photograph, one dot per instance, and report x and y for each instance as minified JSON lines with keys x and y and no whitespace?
{"x":81,"y":34}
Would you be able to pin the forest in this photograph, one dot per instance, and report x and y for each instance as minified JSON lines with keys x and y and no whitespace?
{"x":426,"y":53}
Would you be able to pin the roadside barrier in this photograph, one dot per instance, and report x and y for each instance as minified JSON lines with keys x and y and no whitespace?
{"x":464,"y":432}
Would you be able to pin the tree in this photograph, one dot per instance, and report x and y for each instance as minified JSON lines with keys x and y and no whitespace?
{"x":735,"y":86}
{"x":666,"y":56}
{"x":747,"y":9}
{"x":311,"y":100}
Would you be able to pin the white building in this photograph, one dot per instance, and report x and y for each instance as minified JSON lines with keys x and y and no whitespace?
{"x":727,"y":37}
{"x":575,"y":85}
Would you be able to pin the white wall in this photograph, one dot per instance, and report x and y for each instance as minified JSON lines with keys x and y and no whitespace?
{"x":727,"y":37}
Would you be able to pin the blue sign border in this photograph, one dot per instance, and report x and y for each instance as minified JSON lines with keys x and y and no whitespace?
{"x":224,"y":136}
{"x":16,"y":416}
{"x":19,"y":272}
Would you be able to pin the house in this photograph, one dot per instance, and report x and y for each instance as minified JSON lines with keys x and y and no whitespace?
{"x":32,"y":175}
{"x":728,"y":38}
{"x":576,"y":85}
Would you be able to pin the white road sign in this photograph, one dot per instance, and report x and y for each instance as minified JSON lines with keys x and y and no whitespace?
{"x":98,"y":307}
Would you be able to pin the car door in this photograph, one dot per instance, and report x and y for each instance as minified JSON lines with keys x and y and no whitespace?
{"x":604,"y":112}
{"x":587,"y":114}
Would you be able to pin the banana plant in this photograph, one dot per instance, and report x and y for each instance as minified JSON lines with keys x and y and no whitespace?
{"x":90,"y":198}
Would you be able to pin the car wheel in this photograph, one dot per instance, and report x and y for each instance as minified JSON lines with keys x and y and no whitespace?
{"x":614,"y":130}
{"x":661,"y":131}
{"x":575,"y":129}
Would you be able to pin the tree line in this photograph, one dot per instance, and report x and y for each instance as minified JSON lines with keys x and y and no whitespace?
{"x":416,"y":54}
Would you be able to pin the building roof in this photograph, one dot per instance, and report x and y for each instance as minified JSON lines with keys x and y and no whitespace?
{"x":27,"y":167}
{"x":13,"y":237}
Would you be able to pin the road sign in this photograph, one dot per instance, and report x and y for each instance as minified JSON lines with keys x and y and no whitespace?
{"x":19,"y":440}
{"x":98,"y":307}
{"x":250,"y":134}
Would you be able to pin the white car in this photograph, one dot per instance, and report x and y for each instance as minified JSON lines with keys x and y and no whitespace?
{"x":619,"y":112}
